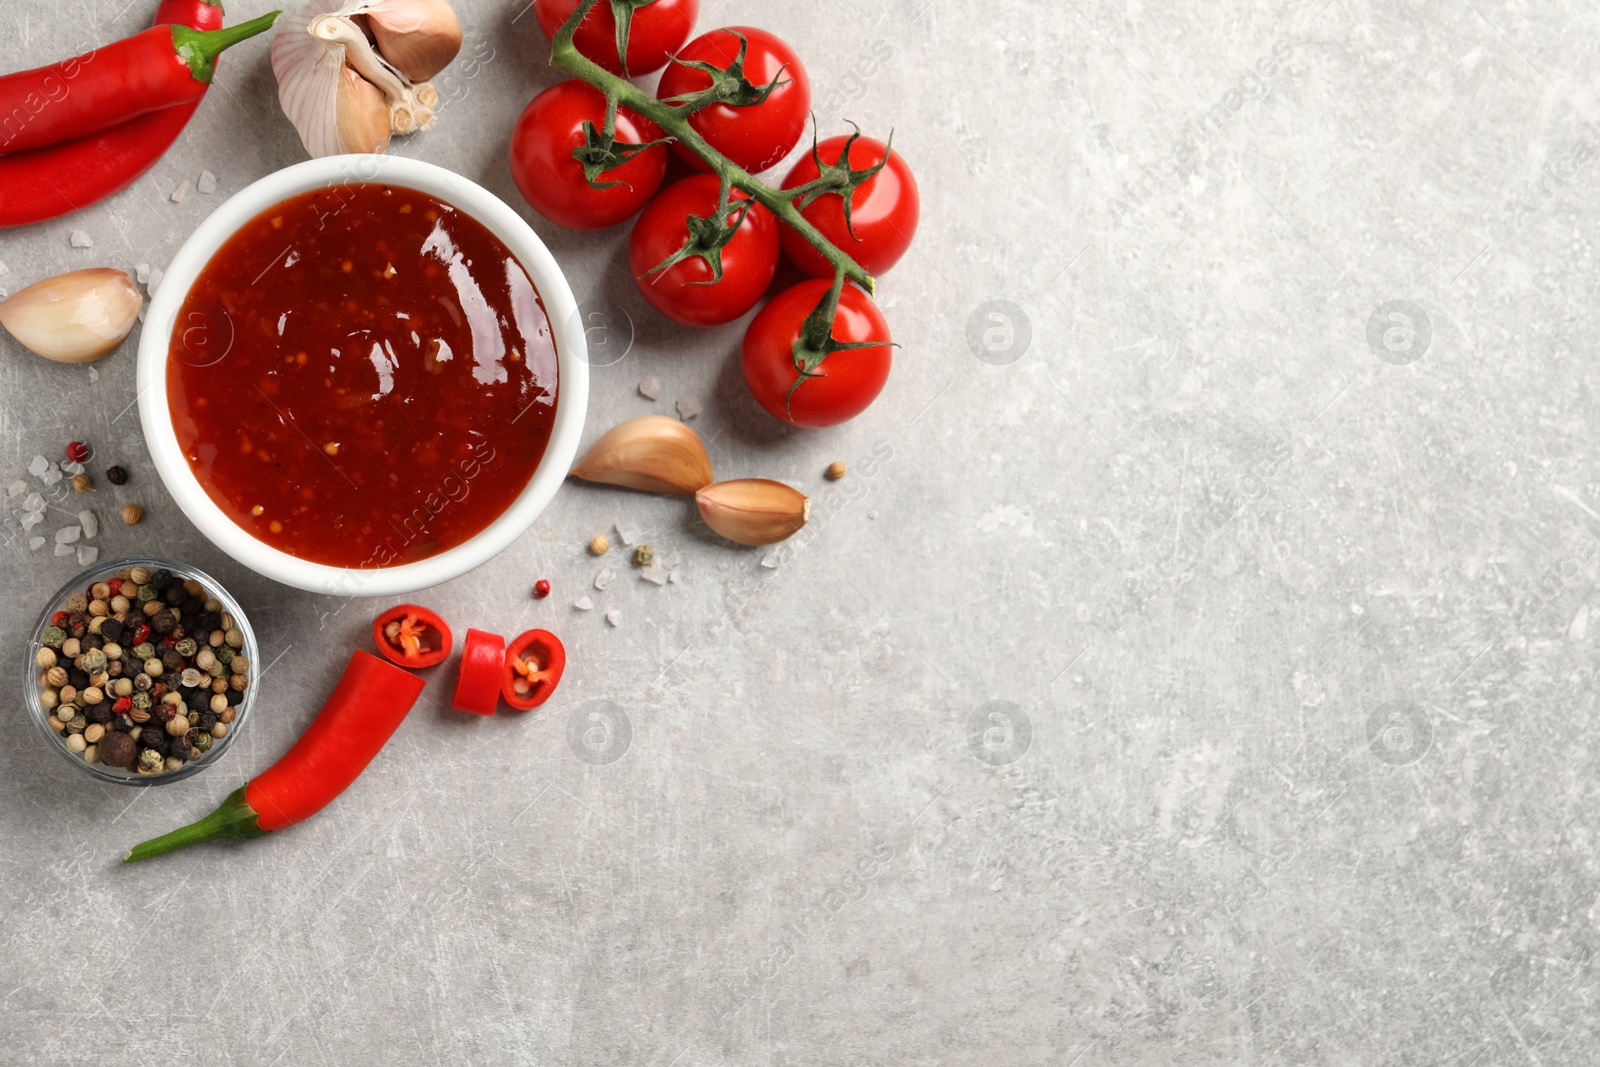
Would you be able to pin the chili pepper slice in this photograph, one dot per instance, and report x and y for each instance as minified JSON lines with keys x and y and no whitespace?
{"x":154,"y":69}
{"x":412,"y":636}
{"x":533,"y":666}
{"x":483,"y":657}
{"x":363,"y":712}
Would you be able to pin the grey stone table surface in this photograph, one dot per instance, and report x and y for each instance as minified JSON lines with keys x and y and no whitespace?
{"x":1196,"y":666}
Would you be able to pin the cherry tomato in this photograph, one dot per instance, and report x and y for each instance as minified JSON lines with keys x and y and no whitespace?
{"x":553,"y":182}
{"x":684,"y":292}
{"x":533,"y":666}
{"x":483,"y":659}
{"x":848,"y":381}
{"x":657,"y":29}
{"x":756,"y":136}
{"x":412,"y":636}
{"x":883,"y":209}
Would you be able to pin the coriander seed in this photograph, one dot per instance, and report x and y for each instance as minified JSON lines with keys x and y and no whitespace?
{"x":599,"y":545}
{"x":82,"y":483}
{"x":132,"y":515}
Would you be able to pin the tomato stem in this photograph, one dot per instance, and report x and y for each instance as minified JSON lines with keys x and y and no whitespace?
{"x":565,"y":56}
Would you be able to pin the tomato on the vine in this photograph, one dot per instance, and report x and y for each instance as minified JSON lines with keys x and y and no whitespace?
{"x":844,"y":383}
{"x":883,"y":208}
{"x":755,"y":135}
{"x":685,"y":291}
{"x":656,"y":29}
{"x":553,"y":181}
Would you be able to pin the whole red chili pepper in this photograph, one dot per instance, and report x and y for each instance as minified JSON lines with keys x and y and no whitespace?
{"x":160,"y":67}
{"x":366,"y":708}
{"x":46,"y":183}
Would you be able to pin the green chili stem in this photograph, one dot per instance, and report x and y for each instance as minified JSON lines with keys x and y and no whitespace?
{"x":564,"y":55}
{"x":200,"y":48}
{"x":234,"y":818}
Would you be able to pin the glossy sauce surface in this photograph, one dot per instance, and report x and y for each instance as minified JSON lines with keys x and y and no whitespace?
{"x":363,"y":376}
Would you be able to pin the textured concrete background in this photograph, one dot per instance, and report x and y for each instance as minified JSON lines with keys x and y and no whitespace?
{"x":1285,"y":591}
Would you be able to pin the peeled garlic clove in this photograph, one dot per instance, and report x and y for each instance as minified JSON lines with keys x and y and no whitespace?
{"x":418,"y":37}
{"x":653,"y":453}
{"x":363,"y":115}
{"x":753,"y":511}
{"x":74,"y":318}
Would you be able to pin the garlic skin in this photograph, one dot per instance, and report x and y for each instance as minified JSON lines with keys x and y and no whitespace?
{"x":74,"y":318}
{"x":418,"y":37}
{"x":332,"y":83}
{"x":653,"y":453}
{"x":363,"y":115}
{"x":753,"y":511}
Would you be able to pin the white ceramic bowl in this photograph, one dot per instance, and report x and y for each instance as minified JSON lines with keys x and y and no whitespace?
{"x":572,"y":394}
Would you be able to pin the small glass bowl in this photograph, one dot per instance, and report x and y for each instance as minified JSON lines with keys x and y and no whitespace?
{"x":80,"y":584}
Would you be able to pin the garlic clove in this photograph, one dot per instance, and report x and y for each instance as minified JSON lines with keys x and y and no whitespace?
{"x":653,"y":453}
{"x":310,"y":73}
{"x":753,"y":511}
{"x":74,"y":318}
{"x":418,"y":37}
{"x":363,"y":115}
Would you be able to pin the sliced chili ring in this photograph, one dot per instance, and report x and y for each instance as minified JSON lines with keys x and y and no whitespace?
{"x":533,"y":665}
{"x":409,"y":636}
{"x":483,"y":657}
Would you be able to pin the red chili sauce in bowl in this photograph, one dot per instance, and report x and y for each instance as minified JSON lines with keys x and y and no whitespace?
{"x":363,"y":376}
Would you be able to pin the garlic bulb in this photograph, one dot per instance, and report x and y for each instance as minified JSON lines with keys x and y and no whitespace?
{"x":332,"y":83}
{"x":74,"y":318}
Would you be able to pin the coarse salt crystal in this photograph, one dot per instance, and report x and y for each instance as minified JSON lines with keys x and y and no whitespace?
{"x":50,"y":477}
{"x":141,"y":271}
{"x":628,"y":534}
{"x":35,"y":544}
{"x":650,"y":388}
{"x":16,"y":488}
{"x":673,"y":578}
{"x":72,"y":468}
{"x":91,"y":525}
{"x":770,"y":562}
{"x":156,"y":274}
{"x":672,"y":559}
{"x":87,"y":554}
{"x":35,"y":502}
{"x":180,"y":192}
{"x":654,"y":573}
{"x":207,"y":182}
{"x":37,"y":466}
{"x":614,"y":617}
{"x":64,"y":550}
{"x":79,"y":239}
{"x":688,"y":408}
{"x":94,"y":374}
{"x":68,"y":534}
{"x":584,"y":604}
{"x":30,"y":519}
{"x":603,"y":579}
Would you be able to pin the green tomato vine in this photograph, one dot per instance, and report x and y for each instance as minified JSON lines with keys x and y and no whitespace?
{"x":707,"y":236}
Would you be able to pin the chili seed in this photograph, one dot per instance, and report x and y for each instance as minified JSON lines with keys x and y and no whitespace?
{"x":835,"y":471}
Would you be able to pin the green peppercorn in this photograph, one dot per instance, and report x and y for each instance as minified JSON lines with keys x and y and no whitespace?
{"x":143,"y":650}
{"x":53,"y":636}
{"x":225,"y":654}
{"x":142,"y":701}
{"x":151,"y":762}
{"x":186,"y":647}
{"x":204,"y":743}
{"x":93,"y":661}
{"x":77,"y":602}
{"x":147,"y":594}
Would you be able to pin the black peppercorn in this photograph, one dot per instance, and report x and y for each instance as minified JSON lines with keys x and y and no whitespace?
{"x":153,"y":738}
{"x":112,"y":630}
{"x":162,"y":712}
{"x":197,"y":699}
{"x":161,"y":579}
{"x":115,"y":668}
{"x":162,"y":622}
{"x":192,"y":606}
{"x":121,"y":724}
{"x":92,"y":641}
{"x":173,"y":595}
{"x":100,"y":713}
{"x":78,"y":624}
{"x":207,"y":719}
{"x":205,"y":622}
{"x":171,"y":660}
{"x":116,"y":476}
{"x":179,"y":747}
{"x":232,"y":696}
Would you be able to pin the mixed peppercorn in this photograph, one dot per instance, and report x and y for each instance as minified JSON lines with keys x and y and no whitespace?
{"x":144,"y":671}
